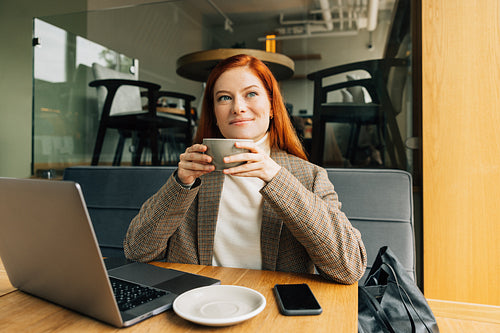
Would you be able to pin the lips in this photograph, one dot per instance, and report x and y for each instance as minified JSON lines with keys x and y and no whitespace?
{"x":240,"y":121}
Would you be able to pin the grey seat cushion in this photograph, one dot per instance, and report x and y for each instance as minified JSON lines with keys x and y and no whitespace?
{"x":379,"y":203}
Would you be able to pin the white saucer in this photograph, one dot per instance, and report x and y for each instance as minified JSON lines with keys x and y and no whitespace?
{"x":219,"y":305}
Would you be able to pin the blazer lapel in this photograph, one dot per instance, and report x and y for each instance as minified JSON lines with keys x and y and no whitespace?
{"x":272,"y":223}
{"x":208,"y":210}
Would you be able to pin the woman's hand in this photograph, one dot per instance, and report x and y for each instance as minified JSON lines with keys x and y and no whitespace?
{"x":259,"y":164}
{"x":193,"y":163}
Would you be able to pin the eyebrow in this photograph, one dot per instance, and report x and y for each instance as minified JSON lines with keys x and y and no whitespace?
{"x":246,"y":88}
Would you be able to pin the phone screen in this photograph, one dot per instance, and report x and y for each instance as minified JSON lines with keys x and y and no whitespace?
{"x":296,"y":299}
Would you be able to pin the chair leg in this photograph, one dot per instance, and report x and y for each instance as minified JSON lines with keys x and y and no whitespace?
{"x":139,"y":145}
{"x":318,"y":142}
{"x":98,"y":144}
{"x":154,"y":147}
{"x":381,"y":139}
{"x":163,"y":145}
{"x":390,"y":151}
{"x":119,"y":150}
{"x":397,"y":141}
{"x":353,"y":142}
{"x":350,"y":141}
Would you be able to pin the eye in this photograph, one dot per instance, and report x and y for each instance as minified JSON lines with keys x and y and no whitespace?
{"x":223,"y":98}
{"x":252,"y":94}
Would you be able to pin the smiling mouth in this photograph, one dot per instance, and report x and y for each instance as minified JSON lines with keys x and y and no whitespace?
{"x":240,"y":121}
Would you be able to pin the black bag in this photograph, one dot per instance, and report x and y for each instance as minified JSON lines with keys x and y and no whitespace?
{"x":391,"y":302}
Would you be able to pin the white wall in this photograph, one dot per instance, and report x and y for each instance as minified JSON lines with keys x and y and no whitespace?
{"x":155,"y":34}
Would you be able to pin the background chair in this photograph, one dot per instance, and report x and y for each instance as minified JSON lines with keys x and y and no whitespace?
{"x":379,"y":203}
{"x":385,"y":86}
{"x":380,"y":112}
{"x":114,"y":195}
{"x":119,"y":98}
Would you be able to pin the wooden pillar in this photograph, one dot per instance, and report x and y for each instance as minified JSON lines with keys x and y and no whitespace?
{"x":461,"y":149}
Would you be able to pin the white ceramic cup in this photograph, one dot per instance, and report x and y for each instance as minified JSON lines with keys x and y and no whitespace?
{"x":220,"y":148}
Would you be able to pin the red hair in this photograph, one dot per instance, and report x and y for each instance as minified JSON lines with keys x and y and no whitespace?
{"x":282,"y":134}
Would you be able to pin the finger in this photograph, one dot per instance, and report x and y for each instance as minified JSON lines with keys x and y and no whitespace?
{"x":258,"y":173}
{"x":246,"y":167}
{"x":265,"y":170}
{"x":196,"y":148}
{"x":248,"y":145}
{"x":199,"y":147}
{"x":244,"y":157}
{"x":195,"y":157}
{"x":193,"y":166}
{"x":188,"y":171}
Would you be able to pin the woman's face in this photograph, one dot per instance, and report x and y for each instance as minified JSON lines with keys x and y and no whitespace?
{"x":241,"y":105}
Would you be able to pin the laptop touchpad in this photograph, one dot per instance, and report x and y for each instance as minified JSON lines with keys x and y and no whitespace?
{"x":186,"y":282}
{"x":144,"y":273}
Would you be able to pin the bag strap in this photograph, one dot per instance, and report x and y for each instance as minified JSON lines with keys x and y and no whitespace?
{"x":396,"y":282}
{"x":393,"y":273}
{"x":414,"y":309}
{"x":377,"y":310}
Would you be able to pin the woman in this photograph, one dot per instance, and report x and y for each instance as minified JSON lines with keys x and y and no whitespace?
{"x":275,"y":212}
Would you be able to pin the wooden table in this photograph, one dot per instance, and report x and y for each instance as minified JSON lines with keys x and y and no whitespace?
{"x":21,"y":312}
{"x":197,"y":66}
{"x":5,"y":286}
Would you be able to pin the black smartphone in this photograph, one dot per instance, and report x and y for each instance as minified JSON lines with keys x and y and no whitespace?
{"x":296,"y":300}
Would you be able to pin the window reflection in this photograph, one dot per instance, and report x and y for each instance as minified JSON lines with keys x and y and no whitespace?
{"x":50,"y":61}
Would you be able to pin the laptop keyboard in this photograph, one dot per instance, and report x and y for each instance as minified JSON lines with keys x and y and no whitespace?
{"x":129,"y":295}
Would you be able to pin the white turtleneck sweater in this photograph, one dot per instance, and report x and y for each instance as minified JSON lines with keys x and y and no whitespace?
{"x":237,"y":235}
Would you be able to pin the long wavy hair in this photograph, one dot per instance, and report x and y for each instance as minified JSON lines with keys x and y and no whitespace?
{"x":282,"y":134}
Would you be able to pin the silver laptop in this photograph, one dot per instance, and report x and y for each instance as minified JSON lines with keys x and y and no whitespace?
{"x":49,"y":250}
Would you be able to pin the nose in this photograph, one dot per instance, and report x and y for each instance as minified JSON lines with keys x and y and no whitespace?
{"x":239,"y":105}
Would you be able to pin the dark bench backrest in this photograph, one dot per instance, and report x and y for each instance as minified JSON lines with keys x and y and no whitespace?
{"x":379,"y":203}
{"x":114,"y":195}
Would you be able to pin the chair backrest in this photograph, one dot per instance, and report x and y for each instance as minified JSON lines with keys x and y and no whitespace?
{"x":379,"y":203}
{"x":127,"y":98}
{"x":114,"y":195}
{"x":359,"y":94}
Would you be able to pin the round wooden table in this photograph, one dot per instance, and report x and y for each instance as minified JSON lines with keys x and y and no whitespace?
{"x":197,"y":66}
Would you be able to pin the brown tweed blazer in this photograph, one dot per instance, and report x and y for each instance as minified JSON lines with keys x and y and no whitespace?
{"x":302,"y":225}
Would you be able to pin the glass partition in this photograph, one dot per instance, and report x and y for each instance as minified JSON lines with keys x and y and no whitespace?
{"x":65,"y":109}
{"x":66,"y":112}
{"x":156,"y":34}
